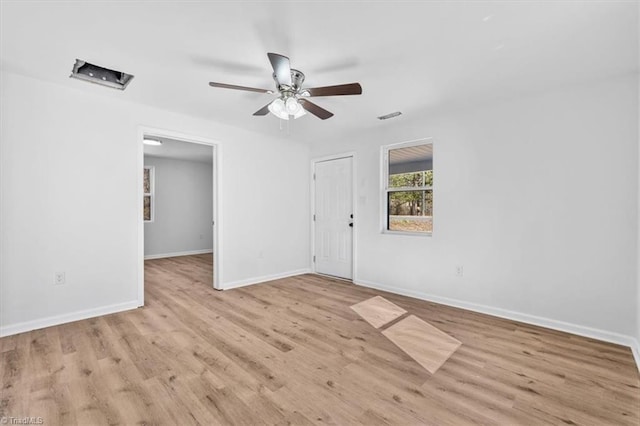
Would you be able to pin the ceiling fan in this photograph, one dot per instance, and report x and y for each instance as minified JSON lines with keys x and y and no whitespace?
{"x":292,"y":99}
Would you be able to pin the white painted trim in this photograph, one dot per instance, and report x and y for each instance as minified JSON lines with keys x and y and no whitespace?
{"x":333,"y":157}
{"x":384,"y":185}
{"x":354,"y":208}
{"x":22,"y":327}
{"x":594,"y":333}
{"x":635,"y":349}
{"x":407,"y":233}
{"x":177,"y":254}
{"x":217,"y":199}
{"x":140,"y":220}
{"x":264,"y":278}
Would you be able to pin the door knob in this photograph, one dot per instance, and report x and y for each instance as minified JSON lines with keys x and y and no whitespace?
{"x":351,"y":224}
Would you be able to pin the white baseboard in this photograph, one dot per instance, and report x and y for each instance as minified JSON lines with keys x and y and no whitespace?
{"x":8,"y":330}
{"x":635,"y":348}
{"x":264,"y":278}
{"x":178,"y":253}
{"x":580,"y":330}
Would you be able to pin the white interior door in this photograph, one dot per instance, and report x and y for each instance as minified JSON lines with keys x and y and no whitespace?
{"x":334,"y":217}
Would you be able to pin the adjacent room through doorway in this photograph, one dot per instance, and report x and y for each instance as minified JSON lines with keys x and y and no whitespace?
{"x":177,"y":210}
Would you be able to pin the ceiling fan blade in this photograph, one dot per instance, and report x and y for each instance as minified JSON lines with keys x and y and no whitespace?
{"x":314,"y":109}
{"x":281,"y":68}
{"x":341,"y":89}
{"x":263,"y":111}
{"x":231,"y":86}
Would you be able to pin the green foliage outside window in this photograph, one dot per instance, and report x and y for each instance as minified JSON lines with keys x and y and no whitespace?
{"x":411,"y":203}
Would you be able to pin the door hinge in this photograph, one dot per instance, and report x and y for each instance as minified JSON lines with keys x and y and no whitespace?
{"x":314,"y":176}
{"x":314,"y":217}
{"x":314,"y":258}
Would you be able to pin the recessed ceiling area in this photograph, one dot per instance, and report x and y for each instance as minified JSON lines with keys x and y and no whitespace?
{"x":180,"y":150}
{"x":410,"y":56}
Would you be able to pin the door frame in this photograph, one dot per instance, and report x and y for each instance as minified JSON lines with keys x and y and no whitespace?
{"x":217,"y":219}
{"x":354,"y":209}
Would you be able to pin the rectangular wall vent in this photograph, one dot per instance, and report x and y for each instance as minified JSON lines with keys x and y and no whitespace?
{"x":83,"y":70}
{"x":388,"y":116}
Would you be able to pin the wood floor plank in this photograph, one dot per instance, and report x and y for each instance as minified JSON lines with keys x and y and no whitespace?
{"x":292,"y":351}
{"x":378,"y":311}
{"x":423,"y":342}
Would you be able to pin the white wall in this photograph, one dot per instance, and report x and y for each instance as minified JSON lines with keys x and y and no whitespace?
{"x":637,"y":342}
{"x":69,"y":201}
{"x":536,"y":197}
{"x":183,"y":207}
{"x":637,"y":334}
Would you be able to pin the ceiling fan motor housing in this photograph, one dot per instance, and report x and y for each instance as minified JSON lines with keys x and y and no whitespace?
{"x":297,"y":78}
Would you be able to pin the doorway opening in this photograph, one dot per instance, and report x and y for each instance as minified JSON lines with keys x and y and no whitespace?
{"x":333,"y":216}
{"x":178,"y":208}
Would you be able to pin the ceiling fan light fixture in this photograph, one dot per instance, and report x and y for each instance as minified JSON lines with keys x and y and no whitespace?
{"x":293,"y":106}
{"x":284,"y":109}
{"x":277,"y":108}
{"x":300,"y":113}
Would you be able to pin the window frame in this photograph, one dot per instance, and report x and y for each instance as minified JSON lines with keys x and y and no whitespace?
{"x":386,"y":190}
{"x":151,"y":193}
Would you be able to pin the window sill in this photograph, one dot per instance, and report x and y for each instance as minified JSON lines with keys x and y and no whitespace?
{"x":412,"y":234}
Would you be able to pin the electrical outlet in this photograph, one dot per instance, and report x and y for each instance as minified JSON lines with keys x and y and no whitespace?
{"x":459,"y":270}
{"x":59,"y":278}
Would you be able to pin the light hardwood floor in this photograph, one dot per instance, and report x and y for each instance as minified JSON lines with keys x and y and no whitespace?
{"x":293,"y":352}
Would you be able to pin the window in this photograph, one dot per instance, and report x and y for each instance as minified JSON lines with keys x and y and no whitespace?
{"x":408,"y":187}
{"x":147,"y":197}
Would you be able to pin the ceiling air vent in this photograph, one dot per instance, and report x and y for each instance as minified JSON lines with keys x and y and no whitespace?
{"x":83,"y":70}
{"x":388,"y":116}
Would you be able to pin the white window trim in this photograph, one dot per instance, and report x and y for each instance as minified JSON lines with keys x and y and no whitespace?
{"x":384,"y":185}
{"x":152,"y":193}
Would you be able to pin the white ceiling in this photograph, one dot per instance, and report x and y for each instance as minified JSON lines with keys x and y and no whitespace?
{"x":179,"y":150}
{"x":415,"y":57}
